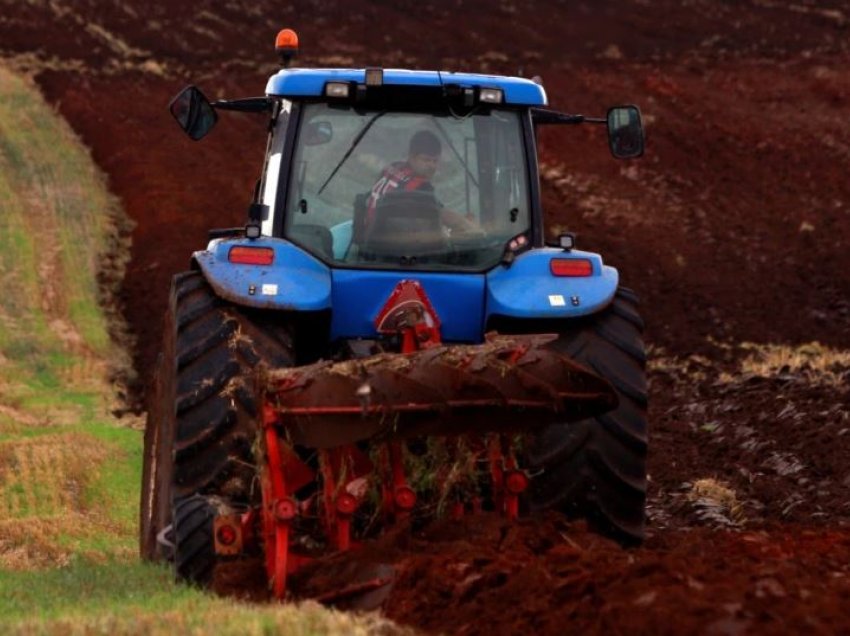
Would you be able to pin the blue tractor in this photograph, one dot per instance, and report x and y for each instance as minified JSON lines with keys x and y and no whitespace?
{"x":390,"y":337}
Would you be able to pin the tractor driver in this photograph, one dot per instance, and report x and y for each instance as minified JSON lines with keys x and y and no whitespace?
{"x":415,"y":174}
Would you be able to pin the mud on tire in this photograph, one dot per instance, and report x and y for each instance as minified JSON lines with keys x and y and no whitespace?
{"x":202,"y":422}
{"x":596,"y":468}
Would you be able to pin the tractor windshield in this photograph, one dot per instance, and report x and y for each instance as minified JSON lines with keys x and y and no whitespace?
{"x":430,"y":191}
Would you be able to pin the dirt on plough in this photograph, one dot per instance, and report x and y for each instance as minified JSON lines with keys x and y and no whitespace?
{"x":734,"y":229}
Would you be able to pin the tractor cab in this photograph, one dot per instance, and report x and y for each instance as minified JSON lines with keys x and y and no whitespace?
{"x":394,"y":169}
{"x":419,"y":188}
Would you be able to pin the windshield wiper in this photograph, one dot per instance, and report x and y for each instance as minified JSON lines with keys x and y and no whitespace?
{"x":351,"y":148}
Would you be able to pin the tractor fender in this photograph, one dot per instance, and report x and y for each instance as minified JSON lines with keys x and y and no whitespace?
{"x":293,"y":280}
{"x":528,"y":288}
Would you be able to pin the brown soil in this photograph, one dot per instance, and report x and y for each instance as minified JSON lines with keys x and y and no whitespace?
{"x":735,"y":227}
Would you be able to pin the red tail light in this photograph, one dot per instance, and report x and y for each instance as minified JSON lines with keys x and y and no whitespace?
{"x":571,"y":267}
{"x":251,"y":255}
{"x":227,"y":535}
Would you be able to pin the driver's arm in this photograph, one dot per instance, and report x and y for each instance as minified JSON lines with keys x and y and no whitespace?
{"x":456,"y":221}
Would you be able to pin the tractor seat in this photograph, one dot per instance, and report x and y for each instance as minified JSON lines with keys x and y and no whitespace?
{"x":406,"y":224}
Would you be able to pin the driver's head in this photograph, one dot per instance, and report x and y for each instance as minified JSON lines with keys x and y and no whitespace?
{"x":424,"y":154}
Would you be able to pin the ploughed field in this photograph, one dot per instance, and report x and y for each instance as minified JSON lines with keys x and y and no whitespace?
{"x":734,"y":229}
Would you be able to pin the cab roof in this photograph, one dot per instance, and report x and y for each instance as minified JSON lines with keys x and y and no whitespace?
{"x":310,"y":82}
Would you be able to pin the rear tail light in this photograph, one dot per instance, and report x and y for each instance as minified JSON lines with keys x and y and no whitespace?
{"x":227,"y":535}
{"x":251,"y":255}
{"x":571,"y":267}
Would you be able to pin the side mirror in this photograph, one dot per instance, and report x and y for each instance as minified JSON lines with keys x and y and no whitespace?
{"x":317,"y":133}
{"x":625,"y":132}
{"x":193,"y":112}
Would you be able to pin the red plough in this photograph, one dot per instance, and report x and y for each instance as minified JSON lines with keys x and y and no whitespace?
{"x":340,"y":439}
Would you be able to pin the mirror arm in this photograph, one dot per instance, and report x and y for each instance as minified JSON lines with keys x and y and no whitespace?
{"x":249,"y":105}
{"x":546,"y":116}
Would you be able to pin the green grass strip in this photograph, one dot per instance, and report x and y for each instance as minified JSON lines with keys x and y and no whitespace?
{"x":140,"y":598}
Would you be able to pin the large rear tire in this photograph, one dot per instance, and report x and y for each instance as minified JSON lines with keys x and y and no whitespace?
{"x":596,"y":468}
{"x":202,"y":423}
